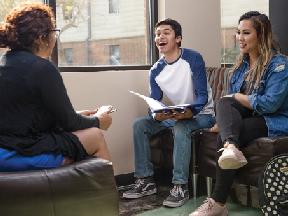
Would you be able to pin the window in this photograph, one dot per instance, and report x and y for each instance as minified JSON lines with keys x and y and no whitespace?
{"x":7,"y":5}
{"x":67,"y":10}
{"x":230,"y":13}
{"x":86,"y":26}
{"x":113,"y":6}
{"x":68,"y":53}
{"x":91,"y":38}
{"x":114,"y":54}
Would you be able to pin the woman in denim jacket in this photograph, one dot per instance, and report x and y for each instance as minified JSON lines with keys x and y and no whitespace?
{"x":256,"y":106}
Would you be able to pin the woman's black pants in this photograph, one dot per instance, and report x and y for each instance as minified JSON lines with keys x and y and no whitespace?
{"x":240,"y":126}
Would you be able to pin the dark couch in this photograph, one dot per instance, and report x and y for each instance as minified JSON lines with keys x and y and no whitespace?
{"x":258,"y":152}
{"x":85,"y":188}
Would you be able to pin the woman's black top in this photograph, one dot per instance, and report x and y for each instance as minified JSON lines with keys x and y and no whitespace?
{"x":36,"y":114}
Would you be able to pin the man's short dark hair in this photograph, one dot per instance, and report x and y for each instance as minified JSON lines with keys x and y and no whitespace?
{"x":174,"y":25}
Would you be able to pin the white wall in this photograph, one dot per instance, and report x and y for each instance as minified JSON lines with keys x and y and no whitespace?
{"x":201,"y":24}
{"x":200,"y":21}
{"x":90,"y":90}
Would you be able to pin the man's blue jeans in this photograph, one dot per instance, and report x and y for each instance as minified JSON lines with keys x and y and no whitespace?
{"x":145,"y":127}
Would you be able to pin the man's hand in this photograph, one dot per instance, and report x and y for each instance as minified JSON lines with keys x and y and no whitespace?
{"x":163,"y":116}
{"x":187,"y":114}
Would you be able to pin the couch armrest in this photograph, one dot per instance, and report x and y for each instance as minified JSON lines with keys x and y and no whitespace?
{"x":258,"y":153}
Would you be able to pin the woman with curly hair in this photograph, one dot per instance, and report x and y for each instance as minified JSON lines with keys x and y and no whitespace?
{"x":257,"y":104}
{"x":39,"y":127}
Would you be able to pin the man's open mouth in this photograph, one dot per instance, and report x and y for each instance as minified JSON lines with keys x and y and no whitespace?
{"x":162,"y":44}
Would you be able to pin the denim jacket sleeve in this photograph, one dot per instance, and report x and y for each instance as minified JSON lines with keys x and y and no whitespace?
{"x":273,"y":88}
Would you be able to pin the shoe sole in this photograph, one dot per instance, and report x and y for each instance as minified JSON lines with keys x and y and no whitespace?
{"x":139,"y":195}
{"x":223,"y":214}
{"x":231,"y":163}
{"x":173,"y":204}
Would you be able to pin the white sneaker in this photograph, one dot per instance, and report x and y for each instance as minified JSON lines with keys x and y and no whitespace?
{"x":231,"y":158}
{"x":210,"y":208}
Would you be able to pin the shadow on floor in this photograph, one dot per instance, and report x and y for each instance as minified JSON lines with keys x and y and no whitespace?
{"x":131,"y":207}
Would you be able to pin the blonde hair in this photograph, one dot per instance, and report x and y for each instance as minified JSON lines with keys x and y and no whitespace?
{"x":267,"y":47}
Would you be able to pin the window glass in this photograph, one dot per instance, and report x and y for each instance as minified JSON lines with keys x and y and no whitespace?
{"x":113,"y":6}
{"x":230,"y":14}
{"x":5,"y":7}
{"x":103,"y":32}
{"x":68,"y":53}
{"x":114,"y":54}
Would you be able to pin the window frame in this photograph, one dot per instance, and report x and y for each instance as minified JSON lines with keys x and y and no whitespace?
{"x":153,"y":53}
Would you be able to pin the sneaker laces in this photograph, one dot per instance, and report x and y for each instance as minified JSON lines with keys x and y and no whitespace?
{"x":206,"y":206}
{"x":177,"y":189}
{"x":222,"y":149}
{"x":138,"y":183}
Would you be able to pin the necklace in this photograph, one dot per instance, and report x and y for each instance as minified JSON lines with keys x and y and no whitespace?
{"x":252,"y":68}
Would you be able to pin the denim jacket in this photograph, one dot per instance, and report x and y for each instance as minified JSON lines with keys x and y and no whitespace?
{"x":270,"y":99}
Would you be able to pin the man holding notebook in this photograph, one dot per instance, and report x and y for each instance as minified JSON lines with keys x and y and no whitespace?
{"x":180,"y":75}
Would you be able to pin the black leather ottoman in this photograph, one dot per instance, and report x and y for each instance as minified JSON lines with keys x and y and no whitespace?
{"x":84,"y":188}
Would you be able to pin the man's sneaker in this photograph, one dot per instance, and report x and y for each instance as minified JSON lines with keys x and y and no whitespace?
{"x":143,"y":187}
{"x":178,"y":196}
{"x":210,"y":208}
{"x":231,"y":158}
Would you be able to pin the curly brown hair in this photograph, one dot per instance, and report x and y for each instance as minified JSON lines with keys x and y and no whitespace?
{"x":26,"y":23}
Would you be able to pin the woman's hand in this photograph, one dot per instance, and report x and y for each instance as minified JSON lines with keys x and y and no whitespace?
{"x":214,"y":129}
{"x":105,"y":109}
{"x":105,"y":120}
{"x":241,"y":98}
{"x":229,"y":95}
{"x":87,"y":112}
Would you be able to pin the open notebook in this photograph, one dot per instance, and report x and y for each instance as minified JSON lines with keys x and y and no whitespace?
{"x":158,"y":107}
